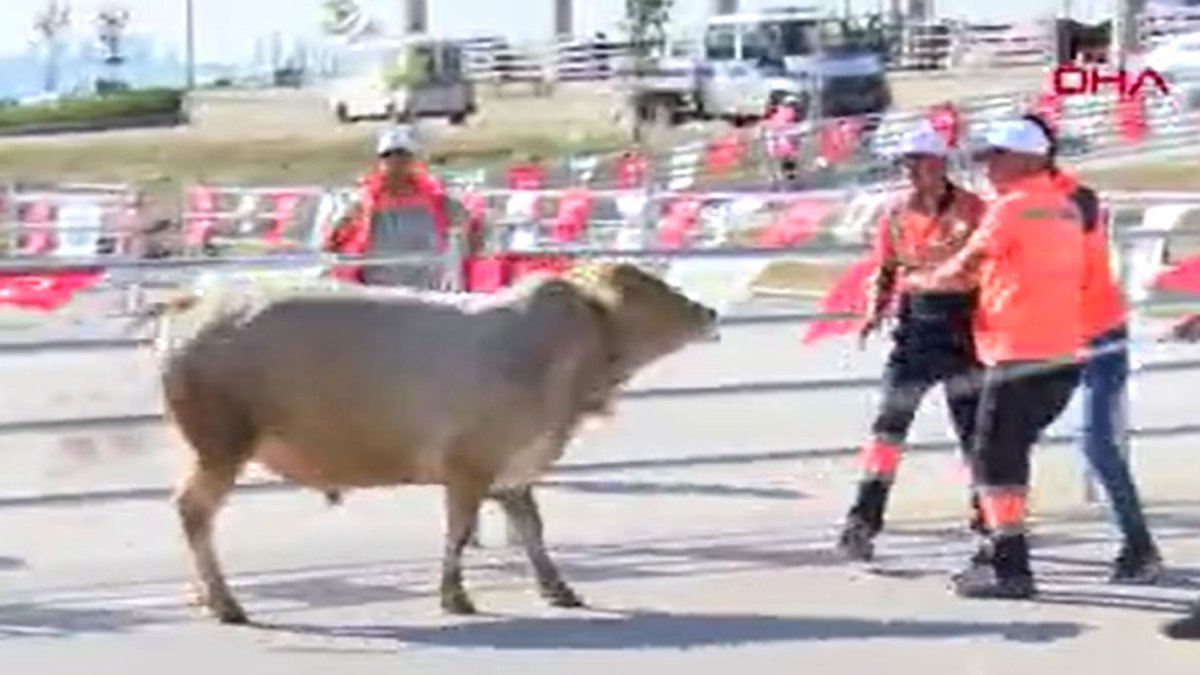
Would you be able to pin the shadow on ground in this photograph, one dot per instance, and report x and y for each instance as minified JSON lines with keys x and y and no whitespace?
{"x":651,"y":630}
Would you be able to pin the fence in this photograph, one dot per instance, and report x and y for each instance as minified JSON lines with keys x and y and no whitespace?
{"x":935,"y":45}
{"x":71,"y":219}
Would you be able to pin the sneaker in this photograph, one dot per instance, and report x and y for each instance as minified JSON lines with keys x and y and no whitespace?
{"x":983,"y":583}
{"x":1187,"y":628}
{"x":1136,"y":566}
{"x":855,"y":542}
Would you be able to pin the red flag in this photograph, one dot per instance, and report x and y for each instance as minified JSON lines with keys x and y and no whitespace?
{"x":1183,"y":277}
{"x":286,"y":206}
{"x":524,"y":264}
{"x":573,"y":211}
{"x":487,"y":274}
{"x":838,"y":140}
{"x":848,"y":296}
{"x":202,"y":203}
{"x":526,"y":177}
{"x":798,"y":225}
{"x":631,"y":171}
{"x":682,"y":217}
{"x":1048,"y":106}
{"x":1130,"y":113}
{"x":46,"y":292}
{"x":945,"y":120}
{"x":40,"y":239}
{"x":724,"y":154}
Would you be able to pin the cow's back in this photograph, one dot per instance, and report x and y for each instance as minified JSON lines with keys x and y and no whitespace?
{"x":360,"y":391}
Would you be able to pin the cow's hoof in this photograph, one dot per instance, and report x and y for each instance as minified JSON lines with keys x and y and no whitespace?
{"x":231,"y":615}
{"x":564,"y":598}
{"x":458,"y":604}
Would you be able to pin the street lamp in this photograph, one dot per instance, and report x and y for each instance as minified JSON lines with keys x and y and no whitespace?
{"x":190,"y":44}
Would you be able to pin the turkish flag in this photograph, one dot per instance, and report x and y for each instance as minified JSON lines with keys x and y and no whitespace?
{"x":47,"y":292}
{"x":524,"y":264}
{"x":1183,"y":277}
{"x":848,"y":296}
{"x":526,"y":177}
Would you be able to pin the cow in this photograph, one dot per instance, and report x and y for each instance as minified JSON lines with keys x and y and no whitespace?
{"x":342,"y":387}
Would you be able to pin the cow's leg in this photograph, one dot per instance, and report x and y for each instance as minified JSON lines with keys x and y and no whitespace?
{"x":526,"y":521}
{"x":464,"y":495}
{"x":197,"y":501}
{"x":222,"y":440}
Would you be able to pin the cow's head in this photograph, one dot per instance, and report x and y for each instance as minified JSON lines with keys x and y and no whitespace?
{"x":649,"y":319}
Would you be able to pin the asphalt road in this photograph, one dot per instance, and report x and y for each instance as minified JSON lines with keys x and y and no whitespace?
{"x":698,"y":528}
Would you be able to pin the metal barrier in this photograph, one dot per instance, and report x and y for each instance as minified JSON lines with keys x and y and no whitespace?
{"x":1155,"y":228}
{"x":69,"y":219}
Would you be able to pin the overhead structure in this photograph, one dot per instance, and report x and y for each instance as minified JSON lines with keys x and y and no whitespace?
{"x":416,"y":16}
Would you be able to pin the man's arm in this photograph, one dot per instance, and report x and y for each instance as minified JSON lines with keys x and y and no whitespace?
{"x":986,"y":237}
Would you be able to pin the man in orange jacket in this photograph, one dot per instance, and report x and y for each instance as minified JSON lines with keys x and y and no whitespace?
{"x":1029,"y":334}
{"x":401,"y":210}
{"x":932,"y":342}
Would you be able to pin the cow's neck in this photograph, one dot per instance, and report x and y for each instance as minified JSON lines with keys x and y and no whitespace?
{"x":611,"y":357}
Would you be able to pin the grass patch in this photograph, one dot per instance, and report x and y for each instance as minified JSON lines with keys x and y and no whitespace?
{"x":112,"y":106}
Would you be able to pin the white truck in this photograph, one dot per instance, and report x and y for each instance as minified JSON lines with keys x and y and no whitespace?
{"x":746,"y":62}
{"x":402,"y":79}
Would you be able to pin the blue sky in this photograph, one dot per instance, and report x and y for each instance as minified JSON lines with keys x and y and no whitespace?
{"x":228,"y":29}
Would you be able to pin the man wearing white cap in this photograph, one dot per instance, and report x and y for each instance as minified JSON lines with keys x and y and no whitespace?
{"x":401,"y":210}
{"x":932,"y":342}
{"x":1029,"y":334}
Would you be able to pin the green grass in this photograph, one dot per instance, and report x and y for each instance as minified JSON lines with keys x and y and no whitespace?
{"x":93,"y":108}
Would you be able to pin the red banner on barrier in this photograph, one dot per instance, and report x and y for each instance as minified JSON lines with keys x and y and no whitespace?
{"x":797,"y":226}
{"x":632,"y":171}
{"x":526,"y":177}
{"x":46,"y":292}
{"x":683,"y":216}
{"x":724,"y":154}
{"x":573,"y":211}
{"x":1182,"y":277}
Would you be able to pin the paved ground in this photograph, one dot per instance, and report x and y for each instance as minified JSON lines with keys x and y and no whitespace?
{"x":697,"y":527}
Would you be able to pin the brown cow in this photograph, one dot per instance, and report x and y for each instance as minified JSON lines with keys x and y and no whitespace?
{"x":359,"y":388}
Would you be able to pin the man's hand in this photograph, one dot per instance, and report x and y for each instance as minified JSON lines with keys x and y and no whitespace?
{"x":870,"y":325}
{"x":1187,"y":330}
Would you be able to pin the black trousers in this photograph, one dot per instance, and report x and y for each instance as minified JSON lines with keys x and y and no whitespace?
{"x":1019,"y":400}
{"x":933,"y":345}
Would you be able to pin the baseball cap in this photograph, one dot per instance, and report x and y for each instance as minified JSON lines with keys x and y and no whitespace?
{"x":922,"y":140}
{"x":396,"y":139}
{"x":1020,"y":136}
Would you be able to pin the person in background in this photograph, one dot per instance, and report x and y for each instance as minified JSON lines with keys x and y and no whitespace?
{"x":932,"y":343}
{"x":1105,"y":378}
{"x":401,"y":209}
{"x":1029,"y":254}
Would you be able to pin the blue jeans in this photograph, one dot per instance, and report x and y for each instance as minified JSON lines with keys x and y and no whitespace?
{"x":1104,"y":391}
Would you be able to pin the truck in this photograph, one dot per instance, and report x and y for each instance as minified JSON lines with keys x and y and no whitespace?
{"x":745,"y":63}
{"x":402,"y":79}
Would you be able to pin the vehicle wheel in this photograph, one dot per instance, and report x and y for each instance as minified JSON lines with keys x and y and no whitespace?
{"x":458,"y":119}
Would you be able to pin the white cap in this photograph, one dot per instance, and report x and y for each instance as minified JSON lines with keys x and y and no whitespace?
{"x":396,"y":139}
{"x":923,"y":139}
{"x":1021,"y":136}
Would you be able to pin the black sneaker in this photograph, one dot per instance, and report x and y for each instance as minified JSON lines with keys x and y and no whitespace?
{"x":983,"y":583}
{"x":855,"y":542}
{"x":1187,"y":628}
{"x":1136,"y":566}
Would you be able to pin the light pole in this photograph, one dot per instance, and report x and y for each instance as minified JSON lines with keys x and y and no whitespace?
{"x":189,"y":38}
